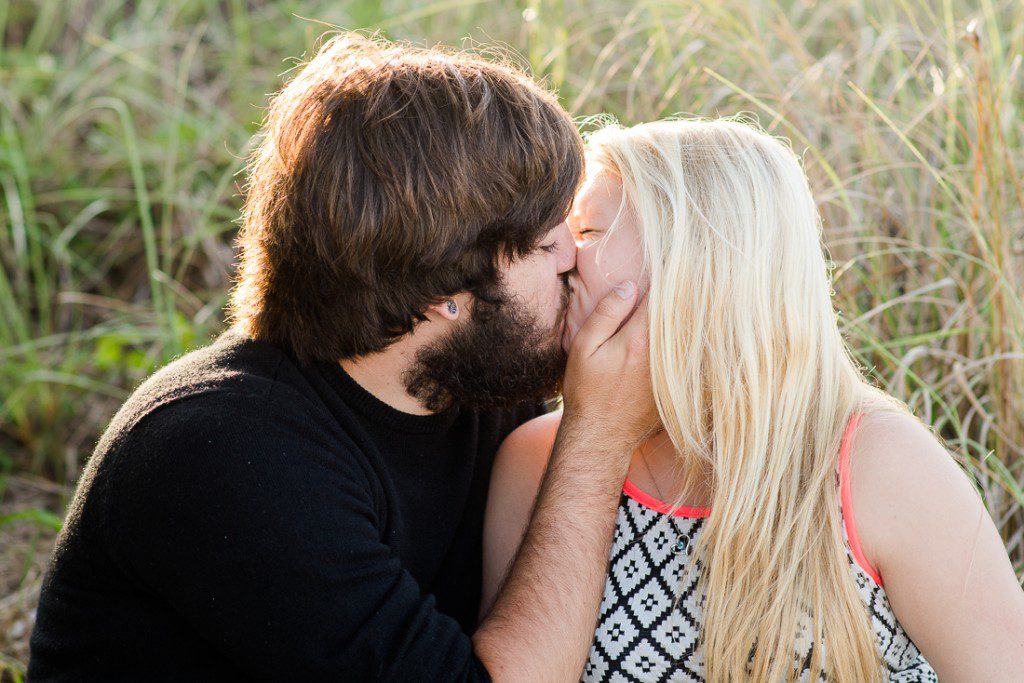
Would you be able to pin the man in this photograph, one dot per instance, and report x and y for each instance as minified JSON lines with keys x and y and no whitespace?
{"x":304,"y":497}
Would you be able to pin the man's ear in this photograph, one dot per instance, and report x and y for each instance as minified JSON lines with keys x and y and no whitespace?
{"x":450,"y":308}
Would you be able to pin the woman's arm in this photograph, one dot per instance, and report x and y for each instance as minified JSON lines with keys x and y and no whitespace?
{"x":945,"y":568}
{"x":518,"y":468}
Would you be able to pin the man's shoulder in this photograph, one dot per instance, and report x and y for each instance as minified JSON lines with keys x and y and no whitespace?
{"x":234,"y":381}
{"x":231,"y":364}
{"x":235,"y":413}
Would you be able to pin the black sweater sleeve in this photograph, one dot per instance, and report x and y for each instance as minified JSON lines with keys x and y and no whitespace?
{"x":267,"y":543}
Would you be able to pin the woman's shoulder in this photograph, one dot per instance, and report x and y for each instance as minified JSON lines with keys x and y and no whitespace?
{"x":519,"y":467}
{"x":889,"y":450}
{"x":541,"y":427}
{"x":895,"y":455}
{"x":903,"y":482}
{"x":947,"y":574}
{"x":525,"y":451}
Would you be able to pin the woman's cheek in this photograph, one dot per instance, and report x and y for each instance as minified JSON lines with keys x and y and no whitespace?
{"x":597,"y":274}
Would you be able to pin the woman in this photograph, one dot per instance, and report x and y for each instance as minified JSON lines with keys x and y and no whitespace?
{"x":783,"y":485}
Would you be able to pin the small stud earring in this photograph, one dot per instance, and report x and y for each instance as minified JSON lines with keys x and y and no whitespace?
{"x":453,"y":308}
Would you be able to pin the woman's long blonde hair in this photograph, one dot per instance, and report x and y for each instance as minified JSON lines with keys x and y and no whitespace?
{"x":755,"y":387}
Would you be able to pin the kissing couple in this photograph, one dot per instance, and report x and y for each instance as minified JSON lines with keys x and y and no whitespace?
{"x":361,"y":480}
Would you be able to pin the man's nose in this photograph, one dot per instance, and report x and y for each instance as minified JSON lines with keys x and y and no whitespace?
{"x":566,"y":249}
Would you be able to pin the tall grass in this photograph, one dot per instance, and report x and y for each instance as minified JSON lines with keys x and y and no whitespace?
{"x":123,"y":128}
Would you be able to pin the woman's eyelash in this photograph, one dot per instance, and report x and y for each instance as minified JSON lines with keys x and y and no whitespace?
{"x":549,"y":247}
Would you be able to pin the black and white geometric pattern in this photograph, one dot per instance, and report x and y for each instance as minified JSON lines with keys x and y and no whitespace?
{"x":641,"y":637}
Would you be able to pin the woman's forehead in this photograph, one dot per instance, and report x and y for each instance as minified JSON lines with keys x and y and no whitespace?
{"x":599,"y":197}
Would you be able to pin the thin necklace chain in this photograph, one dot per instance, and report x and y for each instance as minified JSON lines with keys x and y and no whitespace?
{"x":650,"y":473}
{"x":682,"y":543}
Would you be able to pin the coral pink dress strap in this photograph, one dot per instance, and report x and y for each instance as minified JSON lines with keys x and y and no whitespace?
{"x":846,"y":500}
{"x":649,"y":501}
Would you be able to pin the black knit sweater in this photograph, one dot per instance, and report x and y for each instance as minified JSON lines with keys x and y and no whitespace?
{"x":247,"y":517}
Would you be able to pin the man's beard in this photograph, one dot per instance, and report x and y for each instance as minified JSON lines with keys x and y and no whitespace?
{"x":501,"y":359}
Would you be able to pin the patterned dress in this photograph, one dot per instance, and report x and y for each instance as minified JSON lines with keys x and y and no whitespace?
{"x":641,"y":637}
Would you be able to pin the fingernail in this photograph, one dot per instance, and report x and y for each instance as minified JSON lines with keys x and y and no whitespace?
{"x":625,"y":289}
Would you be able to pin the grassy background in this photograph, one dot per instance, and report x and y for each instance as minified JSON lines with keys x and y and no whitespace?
{"x":124,"y":125}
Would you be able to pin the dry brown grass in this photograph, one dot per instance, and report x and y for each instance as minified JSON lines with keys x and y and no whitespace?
{"x":26,"y":542}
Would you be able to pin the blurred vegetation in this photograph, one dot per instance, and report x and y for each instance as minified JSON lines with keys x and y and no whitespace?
{"x":124,"y":126}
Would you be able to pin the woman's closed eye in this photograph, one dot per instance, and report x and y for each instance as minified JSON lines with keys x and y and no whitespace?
{"x":588,"y":234}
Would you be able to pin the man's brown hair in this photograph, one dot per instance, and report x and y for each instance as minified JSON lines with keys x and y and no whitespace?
{"x":389,"y":177}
